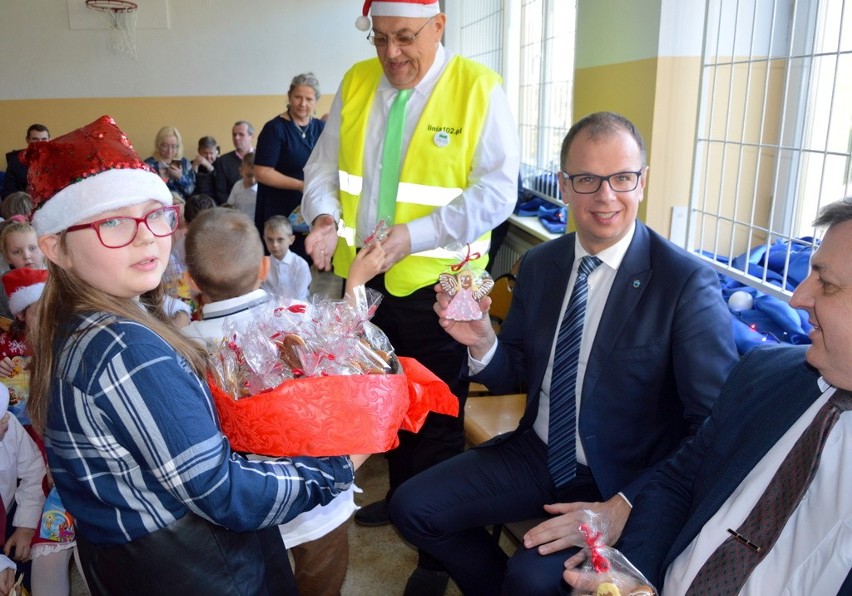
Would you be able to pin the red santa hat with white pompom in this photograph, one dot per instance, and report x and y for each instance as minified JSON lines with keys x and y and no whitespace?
{"x":23,"y":287}
{"x":417,"y":9}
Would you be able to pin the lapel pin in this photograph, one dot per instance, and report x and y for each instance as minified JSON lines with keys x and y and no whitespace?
{"x":636,"y":283}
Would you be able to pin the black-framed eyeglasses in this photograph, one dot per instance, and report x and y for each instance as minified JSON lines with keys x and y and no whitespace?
{"x":586,"y":184}
{"x":119,"y":231}
{"x":380,"y":40}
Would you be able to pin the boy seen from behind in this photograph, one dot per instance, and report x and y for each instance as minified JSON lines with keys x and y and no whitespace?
{"x":224,"y":255}
{"x":289,"y":274}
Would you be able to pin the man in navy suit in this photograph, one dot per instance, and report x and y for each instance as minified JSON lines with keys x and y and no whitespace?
{"x":683,"y":514}
{"x":655,"y":349}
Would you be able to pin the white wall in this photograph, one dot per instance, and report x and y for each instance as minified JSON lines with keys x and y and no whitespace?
{"x":211,"y":47}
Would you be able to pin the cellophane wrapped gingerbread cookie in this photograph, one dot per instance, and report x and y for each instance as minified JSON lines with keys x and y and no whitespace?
{"x":605,"y":571}
{"x":466,"y":284}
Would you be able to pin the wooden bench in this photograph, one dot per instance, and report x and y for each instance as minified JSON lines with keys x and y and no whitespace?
{"x":487,"y":416}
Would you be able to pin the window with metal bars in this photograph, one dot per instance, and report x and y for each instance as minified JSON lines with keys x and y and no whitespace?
{"x":531,"y":44}
{"x":774,"y":132}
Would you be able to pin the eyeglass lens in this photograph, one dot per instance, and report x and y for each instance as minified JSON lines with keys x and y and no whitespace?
{"x":121,"y":231}
{"x":590,"y":183}
{"x":380,"y":40}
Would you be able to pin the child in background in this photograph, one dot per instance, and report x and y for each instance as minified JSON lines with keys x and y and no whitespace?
{"x":20,"y":245}
{"x":24,"y":287}
{"x":21,"y":474}
{"x":20,"y":248}
{"x":289,"y":274}
{"x":17,"y":203}
{"x":225,"y":259}
{"x":161,"y":503}
{"x":51,"y":552}
{"x":244,"y":192}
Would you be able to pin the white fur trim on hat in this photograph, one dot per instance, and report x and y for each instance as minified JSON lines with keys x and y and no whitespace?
{"x":106,"y":191}
{"x":404,"y":9}
{"x":4,"y":399}
{"x":20,"y":300}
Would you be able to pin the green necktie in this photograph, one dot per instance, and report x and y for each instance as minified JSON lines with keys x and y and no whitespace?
{"x":391,"y":152}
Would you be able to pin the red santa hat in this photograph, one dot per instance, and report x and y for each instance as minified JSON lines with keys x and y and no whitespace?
{"x":23,"y":287}
{"x":86,"y":172}
{"x":417,"y":9}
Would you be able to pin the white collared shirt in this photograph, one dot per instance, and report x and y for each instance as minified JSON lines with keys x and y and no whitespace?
{"x":483,"y":205}
{"x":813,"y":554}
{"x":289,"y":277}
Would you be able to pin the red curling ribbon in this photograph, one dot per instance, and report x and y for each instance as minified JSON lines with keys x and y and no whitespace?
{"x":468,"y":257}
{"x":599,"y":562}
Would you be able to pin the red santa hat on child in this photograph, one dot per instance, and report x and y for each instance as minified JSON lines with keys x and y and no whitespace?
{"x":23,"y":287}
{"x":86,"y":172}
{"x":417,"y":9}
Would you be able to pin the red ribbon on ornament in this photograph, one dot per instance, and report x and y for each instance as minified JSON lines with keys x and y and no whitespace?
{"x":599,"y":562}
{"x":468,"y":257}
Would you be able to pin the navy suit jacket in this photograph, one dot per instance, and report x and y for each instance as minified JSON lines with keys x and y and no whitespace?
{"x":663,"y":348}
{"x":765,"y":395}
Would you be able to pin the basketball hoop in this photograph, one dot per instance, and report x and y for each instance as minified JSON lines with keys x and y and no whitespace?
{"x":120,"y":16}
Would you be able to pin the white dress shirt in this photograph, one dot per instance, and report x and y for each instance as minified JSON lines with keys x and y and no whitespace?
{"x":289,"y":277}
{"x":486,"y":202}
{"x":813,"y":554}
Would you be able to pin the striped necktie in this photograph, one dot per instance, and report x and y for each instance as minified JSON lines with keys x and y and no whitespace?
{"x":730,"y":565}
{"x":391,"y":153}
{"x":562,"y":429}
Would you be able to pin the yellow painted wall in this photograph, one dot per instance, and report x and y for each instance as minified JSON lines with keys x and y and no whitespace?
{"x":142,"y":117}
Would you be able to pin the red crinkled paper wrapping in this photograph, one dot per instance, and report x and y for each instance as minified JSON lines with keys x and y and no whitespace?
{"x":334,"y":415}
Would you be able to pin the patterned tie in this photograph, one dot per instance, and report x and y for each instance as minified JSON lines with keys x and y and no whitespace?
{"x":562,"y":430}
{"x":391,"y":152}
{"x":729,"y":566}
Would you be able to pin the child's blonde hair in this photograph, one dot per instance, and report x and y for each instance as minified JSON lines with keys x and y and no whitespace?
{"x":278,"y":223}
{"x":248,"y":160}
{"x":224,"y":253}
{"x":11,"y":227}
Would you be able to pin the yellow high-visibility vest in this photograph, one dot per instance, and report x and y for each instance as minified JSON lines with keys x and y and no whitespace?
{"x":436,"y":166}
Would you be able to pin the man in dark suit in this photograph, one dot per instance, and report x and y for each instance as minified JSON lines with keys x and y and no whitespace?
{"x":656,"y":346}
{"x":713,"y":483}
{"x":16,"y":172}
{"x":226,"y":169}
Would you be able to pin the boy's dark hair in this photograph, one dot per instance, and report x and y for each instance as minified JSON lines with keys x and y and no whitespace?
{"x":196,"y":204}
{"x":223,"y":253}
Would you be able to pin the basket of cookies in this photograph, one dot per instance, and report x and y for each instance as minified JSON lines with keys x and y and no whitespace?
{"x":319,"y":379}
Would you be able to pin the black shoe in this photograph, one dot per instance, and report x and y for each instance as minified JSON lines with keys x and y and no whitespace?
{"x":425,"y":582}
{"x":374,"y":514}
